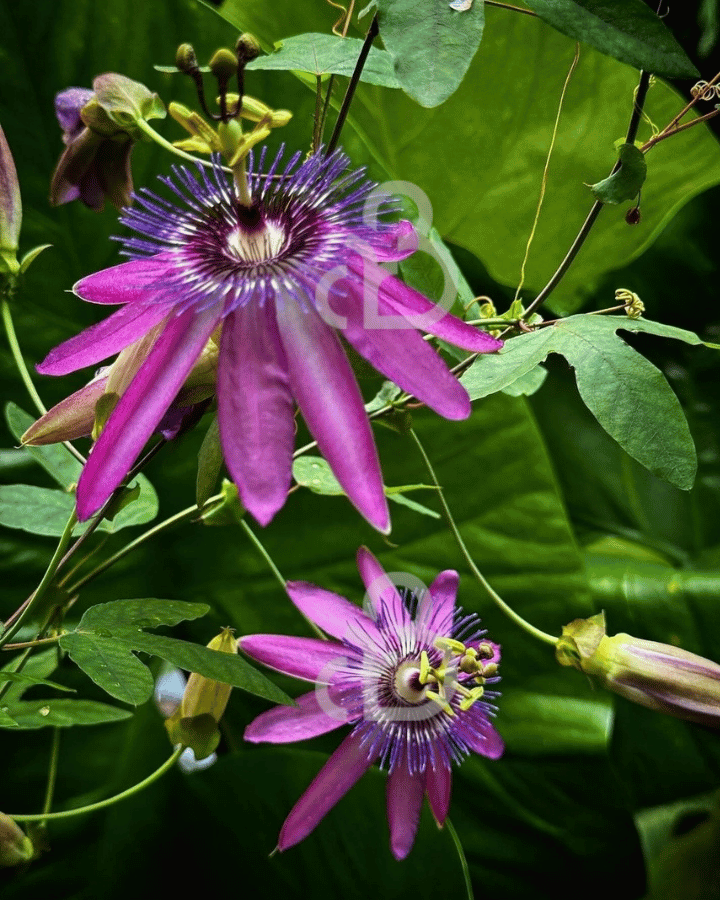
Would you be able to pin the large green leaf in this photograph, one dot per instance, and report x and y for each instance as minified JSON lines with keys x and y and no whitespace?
{"x":625,"y":29}
{"x":627,"y":394}
{"x":321,"y":54}
{"x":432,"y":45}
{"x":108,"y":635}
{"x":63,"y":713}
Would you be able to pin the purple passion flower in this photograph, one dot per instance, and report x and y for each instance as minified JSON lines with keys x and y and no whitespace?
{"x":408,"y":675}
{"x":265,"y":281}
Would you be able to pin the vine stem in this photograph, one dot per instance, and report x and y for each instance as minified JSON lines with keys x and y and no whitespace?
{"x":256,"y":542}
{"x":494,"y":596}
{"x":596,"y":208}
{"x":45,"y":582}
{"x":166,"y":145}
{"x":518,"y":9}
{"x":461,"y":852}
{"x":102,"y":804}
{"x":52,"y":774}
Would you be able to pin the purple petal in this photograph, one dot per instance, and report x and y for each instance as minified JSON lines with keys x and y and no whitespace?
{"x":68,"y":104}
{"x":402,"y":356}
{"x":438,"y":606}
{"x":256,"y":409}
{"x":396,"y":298}
{"x":122,"y":328}
{"x":129,"y":282}
{"x":390,"y":243}
{"x":143,"y":405}
{"x":344,"y":768}
{"x":481,"y":736}
{"x":301,"y":657}
{"x":438,"y":784}
{"x":285,"y":724}
{"x":328,"y":396}
{"x":382,"y":592}
{"x":404,"y":801}
{"x":331,"y":612}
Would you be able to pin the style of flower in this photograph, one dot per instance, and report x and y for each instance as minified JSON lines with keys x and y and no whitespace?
{"x":409,"y":674}
{"x":267,"y":278}
{"x":662,"y":677}
{"x":99,"y":133}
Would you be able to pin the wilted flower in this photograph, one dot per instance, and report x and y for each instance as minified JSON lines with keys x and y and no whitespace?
{"x":99,"y":130}
{"x":659,"y":676}
{"x":10,"y":208}
{"x":408,"y":674}
{"x":15,"y":846}
{"x":194,"y":723}
{"x":272,"y":278}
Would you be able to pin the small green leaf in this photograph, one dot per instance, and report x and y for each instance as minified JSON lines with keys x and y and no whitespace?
{"x":63,"y":713}
{"x":327,"y":54}
{"x":210,"y":460}
{"x":31,"y":256}
{"x":387,"y":393}
{"x":39,"y":665}
{"x":627,"y":181}
{"x":432,"y":45}
{"x":628,"y":396}
{"x":30,"y":680}
{"x":6,"y":720}
{"x":626,"y":30}
{"x":413,"y":505}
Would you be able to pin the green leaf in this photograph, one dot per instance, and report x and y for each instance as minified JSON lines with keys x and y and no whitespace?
{"x":39,"y":665}
{"x":325,"y":54}
{"x":108,"y":635}
{"x":63,"y":713}
{"x":414,"y":505}
{"x":6,"y":720}
{"x":628,"y":396}
{"x":627,"y":30}
{"x":29,"y":680}
{"x":526,"y":385}
{"x":432,"y":45}
{"x":627,"y":181}
{"x":210,"y":461}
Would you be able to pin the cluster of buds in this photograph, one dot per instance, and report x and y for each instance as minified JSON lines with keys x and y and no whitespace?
{"x":659,"y":676}
{"x":100,"y":127}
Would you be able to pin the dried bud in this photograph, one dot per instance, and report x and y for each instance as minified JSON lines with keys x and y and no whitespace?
{"x":15,"y":846}
{"x":247,"y":48}
{"x":119,"y":103}
{"x":659,"y":676}
{"x":10,"y":208}
{"x":632,"y":216}
{"x":195,"y":723}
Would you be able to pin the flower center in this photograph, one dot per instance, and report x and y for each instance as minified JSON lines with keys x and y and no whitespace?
{"x":407,"y":684}
{"x":255,"y":244}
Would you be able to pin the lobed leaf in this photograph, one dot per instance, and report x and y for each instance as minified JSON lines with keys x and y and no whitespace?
{"x":63,"y":713}
{"x":624,"y":184}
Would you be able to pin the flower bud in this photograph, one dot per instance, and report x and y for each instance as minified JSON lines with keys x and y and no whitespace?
{"x":10,"y":208}
{"x":195,"y":723}
{"x":247,"y":48}
{"x":185,"y":58}
{"x":659,"y":676}
{"x":15,"y":846}
{"x":223,"y":65}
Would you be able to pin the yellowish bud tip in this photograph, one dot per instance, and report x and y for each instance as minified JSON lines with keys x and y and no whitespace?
{"x":223,"y":65}
{"x":247,"y":48}
{"x":185,"y":58}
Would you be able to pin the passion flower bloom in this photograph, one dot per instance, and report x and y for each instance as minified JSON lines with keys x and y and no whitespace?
{"x":268,"y":279}
{"x":408,"y":674}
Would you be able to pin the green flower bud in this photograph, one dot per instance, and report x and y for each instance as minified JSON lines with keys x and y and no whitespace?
{"x":247,"y":48}
{"x":659,"y":676}
{"x":118,"y":105}
{"x":195,"y":723}
{"x":10,"y":208}
{"x":185,"y":58}
{"x":15,"y":846}
{"x":223,"y":65}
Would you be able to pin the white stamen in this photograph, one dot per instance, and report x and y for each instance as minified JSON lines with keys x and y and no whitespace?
{"x":257,"y":244}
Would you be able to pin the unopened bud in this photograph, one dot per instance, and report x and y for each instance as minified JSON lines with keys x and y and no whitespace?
{"x":185,"y":59}
{"x":10,"y":208}
{"x":203,"y":704}
{"x":223,"y":65}
{"x":632,"y":216}
{"x":659,"y":676}
{"x":247,"y":48}
{"x":15,"y":846}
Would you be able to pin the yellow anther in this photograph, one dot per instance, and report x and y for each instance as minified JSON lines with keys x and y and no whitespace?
{"x":485,"y":650}
{"x":490,"y":669}
{"x":424,"y":667}
{"x":441,"y":702}
{"x":472,"y":696}
{"x":448,"y":645}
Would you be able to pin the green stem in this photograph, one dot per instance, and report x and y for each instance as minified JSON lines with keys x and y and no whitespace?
{"x":495,"y":597}
{"x":17,"y":356}
{"x":46,"y":580}
{"x":135,"y":789}
{"x":518,"y":9}
{"x":461,"y":854}
{"x":253,"y":538}
{"x":128,"y":548}
{"x":39,"y":643}
{"x":166,"y":145}
{"x":52,"y":773}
